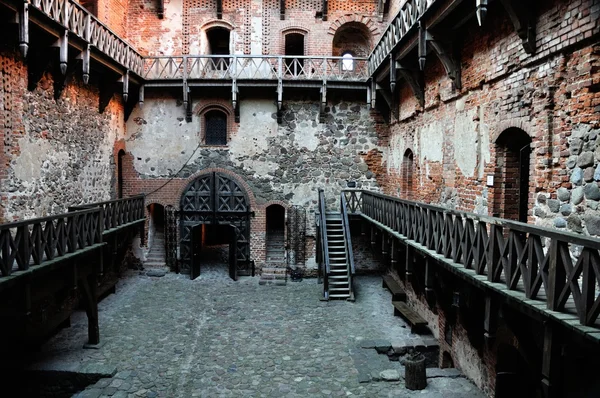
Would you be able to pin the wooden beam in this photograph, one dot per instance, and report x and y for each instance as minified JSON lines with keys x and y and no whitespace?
{"x":24,"y":29}
{"x":490,"y":322}
{"x":481,"y":11}
{"x":220,"y":9}
{"x":522,"y":16}
{"x":89,"y":285}
{"x":551,"y":360}
{"x":161,"y":9}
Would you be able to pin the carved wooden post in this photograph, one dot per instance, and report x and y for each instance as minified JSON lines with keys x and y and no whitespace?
{"x":91,"y":307}
{"x":24,"y":29}
{"x":490,"y":320}
{"x":429,"y":281}
{"x":410,"y":258}
{"x":385,"y":249}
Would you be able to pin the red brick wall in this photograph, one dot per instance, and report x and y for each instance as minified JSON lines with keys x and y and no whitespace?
{"x":546,"y":95}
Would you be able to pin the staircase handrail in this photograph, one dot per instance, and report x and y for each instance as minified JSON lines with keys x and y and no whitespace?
{"x":347,"y":239}
{"x":323,"y":228}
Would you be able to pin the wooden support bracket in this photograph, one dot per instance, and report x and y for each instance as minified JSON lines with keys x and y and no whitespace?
{"x":279,"y":100}
{"x":482,"y":8}
{"x":234,"y":101}
{"x":551,"y":361}
{"x":84,"y":56}
{"x":141,"y":95}
{"x":107,"y":90}
{"x":415,"y":80}
{"x":323,"y":104}
{"x":24,"y":29}
{"x":429,"y":282}
{"x":324,"y":11}
{"x":160,"y":9}
{"x":393,"y":73}
{"x":381,"y":9}
{"x":444,"y":51}
{"x":409,"y":263}
{"x":219,"y":9}
{"x":89,"y":285}
{"x":490,"y":322}
{"x":522,"y":16}
{"x":125,"y":81}
{"x":38,"y":60}
{"x":282,"y":10}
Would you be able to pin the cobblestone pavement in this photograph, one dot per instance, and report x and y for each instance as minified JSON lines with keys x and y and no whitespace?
{"x":213,"y":337}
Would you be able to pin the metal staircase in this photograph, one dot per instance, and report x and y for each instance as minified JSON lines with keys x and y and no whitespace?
{"x":336,"y":262}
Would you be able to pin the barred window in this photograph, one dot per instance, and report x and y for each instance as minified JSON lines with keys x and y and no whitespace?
{"x":215,"y":128}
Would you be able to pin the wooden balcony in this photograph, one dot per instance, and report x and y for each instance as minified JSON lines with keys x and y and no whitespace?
{"x":209,"y":70}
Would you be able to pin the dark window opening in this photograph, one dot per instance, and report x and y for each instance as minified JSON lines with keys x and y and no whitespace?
{"x":294,"y":47}
{"x":275,"y":219}
{"x":216,"y":128}
{"x":218,"y":44}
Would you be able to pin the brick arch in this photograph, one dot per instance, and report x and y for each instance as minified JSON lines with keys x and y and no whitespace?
{"x":188,"y":181}
{"x":517,"y":123}
{"x":217,"y":23}
{"x":290,"y":29}
{"x":368,"y":22}
{"x":285,"y":205}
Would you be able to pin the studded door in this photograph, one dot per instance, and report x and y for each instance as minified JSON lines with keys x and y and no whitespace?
{"x":214,"y":198}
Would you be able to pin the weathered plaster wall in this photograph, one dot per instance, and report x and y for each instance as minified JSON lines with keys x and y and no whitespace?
{"x":286,"y":162}
{"x":57,"y":153}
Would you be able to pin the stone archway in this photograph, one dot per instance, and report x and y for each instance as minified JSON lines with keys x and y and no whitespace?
{"x":214,"y":198}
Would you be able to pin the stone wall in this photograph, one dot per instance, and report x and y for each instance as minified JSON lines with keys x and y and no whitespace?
{"x":553,"y":96}
{"x":56,"y":153}
{"x":284,"y":163}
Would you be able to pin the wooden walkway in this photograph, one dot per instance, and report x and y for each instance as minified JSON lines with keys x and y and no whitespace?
{"x":47,"y":265}
{"x":530,"y":267}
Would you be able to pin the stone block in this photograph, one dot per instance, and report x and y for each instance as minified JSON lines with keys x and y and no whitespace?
{"x":563,"y":194}
{"x":591,"y":191}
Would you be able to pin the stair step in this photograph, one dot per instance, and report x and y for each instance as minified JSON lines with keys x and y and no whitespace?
{"x":339,"y":296}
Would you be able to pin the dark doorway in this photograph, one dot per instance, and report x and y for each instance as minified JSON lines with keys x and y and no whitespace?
{"x":214,"y":245}
{"x":218,"y":42}
{"x":156,"y":235}
{"x":120,"y":156}
{"x":511,"y":188}
{"x":514,"y":378}
{"x":407,"y":174}
{"x":294,"y":47}
{"x":275,"y":239}
{"x":216,"y":199}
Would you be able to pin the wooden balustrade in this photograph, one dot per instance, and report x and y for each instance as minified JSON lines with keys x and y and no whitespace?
{"x":28,"y":243}
{"x":407,"y":18}
{"x":119,"y":212}
{"x":254,"y":67}
{"x":80,"y":22}
{"x":559,"y":268}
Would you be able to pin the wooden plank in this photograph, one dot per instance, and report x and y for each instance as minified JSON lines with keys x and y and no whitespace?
{"x":390,"y":283}
{"x":417,"y":323}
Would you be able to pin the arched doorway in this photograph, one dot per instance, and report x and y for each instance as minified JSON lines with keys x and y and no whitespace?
{"x":218,"y":39}
{"x":156,"y":236}
{"x":294,"y":47}
{"x":120,"y":157}
{"x":215,"y":199}
{"x":407,"y":174}
{"x":514,"y":378}
{"x":275,"y":236}
{"x":511,"y":188}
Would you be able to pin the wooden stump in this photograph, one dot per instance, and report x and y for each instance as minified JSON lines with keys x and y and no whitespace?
{"x":415,"y":376}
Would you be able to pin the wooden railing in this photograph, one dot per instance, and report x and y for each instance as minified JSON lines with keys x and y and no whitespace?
{"x":254,"y":67}
{"x":28,"y":243}
{"x":323,"y":252}
{"x":405,"y":21}
{"x":118,"y":212}
{"x":347,"y":242}
{"x":559,"y":268}
{"x":80,"y":22}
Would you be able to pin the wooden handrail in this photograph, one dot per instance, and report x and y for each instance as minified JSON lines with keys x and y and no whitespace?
{"x":32,"y":242}
{"x":521,"y":256}
{"x":347,"y":243}
{"x":119,"y":211}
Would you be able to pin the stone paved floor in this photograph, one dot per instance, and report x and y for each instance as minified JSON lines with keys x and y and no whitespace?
{"x":213,"y":337}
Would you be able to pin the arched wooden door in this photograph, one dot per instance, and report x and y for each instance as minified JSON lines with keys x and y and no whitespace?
{"x":215,"y":198}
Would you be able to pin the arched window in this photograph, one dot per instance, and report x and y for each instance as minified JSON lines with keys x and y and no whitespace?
{"x":215,"y":128}
{"x":347,"y":61}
